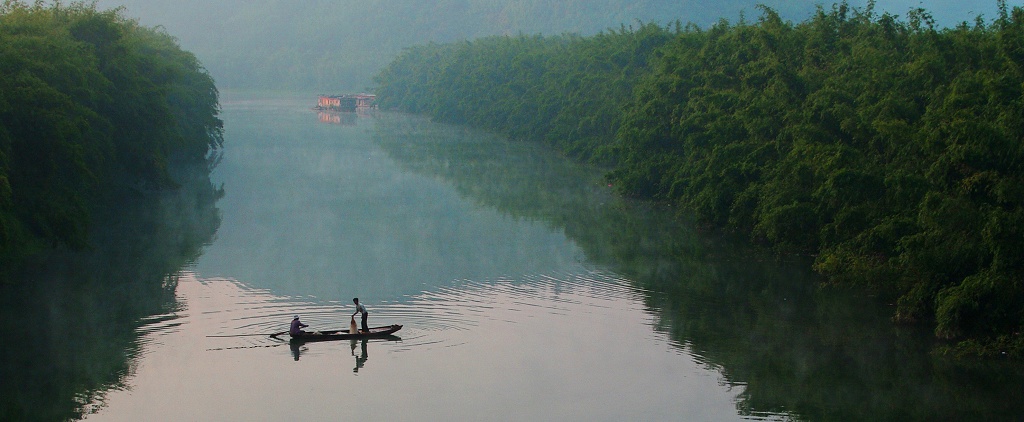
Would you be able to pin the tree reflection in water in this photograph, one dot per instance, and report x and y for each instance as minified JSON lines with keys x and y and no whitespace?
{"x":797,"y":346}
{"x":69,"y":321}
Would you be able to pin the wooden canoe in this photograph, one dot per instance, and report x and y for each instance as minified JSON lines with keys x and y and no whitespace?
{"x":375,"y":332}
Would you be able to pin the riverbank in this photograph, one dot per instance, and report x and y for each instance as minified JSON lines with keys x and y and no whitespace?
{"x":96,"y":108}
{"x":823,"y":138}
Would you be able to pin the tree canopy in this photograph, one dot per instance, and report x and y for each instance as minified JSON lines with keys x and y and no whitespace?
{"x":887,"y":148}
{"x":92,"y":105}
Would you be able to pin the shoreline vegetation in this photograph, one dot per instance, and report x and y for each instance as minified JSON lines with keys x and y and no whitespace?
{"x":886,"y":148}
{"x":108,"y":133}
{"x":96,"y":111}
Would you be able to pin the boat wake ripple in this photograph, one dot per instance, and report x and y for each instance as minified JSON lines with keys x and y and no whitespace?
{"x":240,"y":316}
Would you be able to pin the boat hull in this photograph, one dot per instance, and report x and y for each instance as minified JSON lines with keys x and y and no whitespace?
{"x":375,"y":332}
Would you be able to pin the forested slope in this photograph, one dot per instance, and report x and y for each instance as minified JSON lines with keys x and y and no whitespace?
{"x":567,"y":90}
{"x":887,"y":148}
{"x":93,"y":108}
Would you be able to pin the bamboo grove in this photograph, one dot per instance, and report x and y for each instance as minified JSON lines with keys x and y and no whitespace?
{"x":93,"y":107}
{"x":887,"y":148}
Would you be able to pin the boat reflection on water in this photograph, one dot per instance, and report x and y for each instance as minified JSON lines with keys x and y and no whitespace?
{"x":335,"y":118}
{"x":299,"y":347}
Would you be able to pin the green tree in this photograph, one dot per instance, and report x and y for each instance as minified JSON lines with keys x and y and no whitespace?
{"x":91,"y":105}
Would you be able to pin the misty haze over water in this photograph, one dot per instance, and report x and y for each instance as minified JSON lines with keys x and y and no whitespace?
{"x":338,"y":46}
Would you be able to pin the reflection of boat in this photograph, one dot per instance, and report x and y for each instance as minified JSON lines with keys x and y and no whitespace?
{"x":335,"y":118}
{"x":375,"y":332}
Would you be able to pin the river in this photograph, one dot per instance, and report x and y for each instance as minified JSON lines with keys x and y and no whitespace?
{"x":526,"y":289}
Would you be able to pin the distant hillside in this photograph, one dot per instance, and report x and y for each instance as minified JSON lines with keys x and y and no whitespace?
{"x":340,"y":45}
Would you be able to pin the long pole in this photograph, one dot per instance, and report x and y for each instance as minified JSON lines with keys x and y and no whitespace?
{"x":248,"y":335}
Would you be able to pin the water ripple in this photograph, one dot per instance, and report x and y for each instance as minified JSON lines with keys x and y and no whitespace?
{"x":243,"y":317}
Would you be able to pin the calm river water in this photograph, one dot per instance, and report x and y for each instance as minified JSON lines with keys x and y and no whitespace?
{"x":527,"y":291}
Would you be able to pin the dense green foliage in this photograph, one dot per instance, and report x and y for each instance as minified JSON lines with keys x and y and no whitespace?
{"x":806,"y":352}
{"x":890,"y":150}
{"x":92,"y":106}
{"x":565,"y":90}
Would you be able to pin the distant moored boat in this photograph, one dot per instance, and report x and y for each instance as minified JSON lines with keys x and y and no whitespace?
{"x":346,"y":102}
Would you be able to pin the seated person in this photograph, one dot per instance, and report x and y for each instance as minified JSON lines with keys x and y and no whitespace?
{"x":297,"y":327}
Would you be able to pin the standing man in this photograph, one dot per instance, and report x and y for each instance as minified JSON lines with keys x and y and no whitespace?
{"x":360,"y":309}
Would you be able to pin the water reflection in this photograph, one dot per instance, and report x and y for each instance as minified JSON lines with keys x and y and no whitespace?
{"x":73,"y":325}
{"x":471,"y":347}
{"x":299,"y":347}
{"x":320,"y":211}
{"x":545,"y":298}
{"x":337,"y":118}
{"x":362,"y":356}
{"x":795,"y":348}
